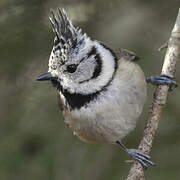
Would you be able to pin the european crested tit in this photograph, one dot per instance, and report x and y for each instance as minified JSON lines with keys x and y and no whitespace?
{"x":101,"y":93}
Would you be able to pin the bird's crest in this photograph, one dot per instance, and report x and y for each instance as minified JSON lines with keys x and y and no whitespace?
{"x":67,"y":37}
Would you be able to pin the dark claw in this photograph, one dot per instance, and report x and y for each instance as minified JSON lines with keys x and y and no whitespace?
{"x":163,"y":79}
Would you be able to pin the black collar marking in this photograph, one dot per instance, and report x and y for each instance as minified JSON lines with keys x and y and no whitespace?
{"x":76,"y":100}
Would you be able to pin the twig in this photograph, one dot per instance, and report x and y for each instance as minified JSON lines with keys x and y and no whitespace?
{"x":164,"y":46}
{"x":159,"y":100}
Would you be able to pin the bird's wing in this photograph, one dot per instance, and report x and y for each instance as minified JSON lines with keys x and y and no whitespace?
{"x":126,"y":54}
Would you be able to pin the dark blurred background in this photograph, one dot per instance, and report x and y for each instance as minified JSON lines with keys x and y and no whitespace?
{"x":34,"y":142}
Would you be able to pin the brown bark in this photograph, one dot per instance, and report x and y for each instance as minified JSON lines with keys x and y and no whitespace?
{"x":159,"y":100}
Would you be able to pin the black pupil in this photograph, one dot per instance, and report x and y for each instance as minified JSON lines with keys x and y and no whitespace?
{"x":71,"y":68}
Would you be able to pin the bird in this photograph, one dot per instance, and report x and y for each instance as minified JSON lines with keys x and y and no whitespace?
{"x":101,"y":93}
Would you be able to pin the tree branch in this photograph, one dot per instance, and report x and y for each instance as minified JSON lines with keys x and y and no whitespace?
{"x":159,"y":100}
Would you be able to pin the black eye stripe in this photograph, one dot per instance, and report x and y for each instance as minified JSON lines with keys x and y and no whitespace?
{"x":92,"y":52}
{"x":98,"y":67}
{"x":82,"y":60}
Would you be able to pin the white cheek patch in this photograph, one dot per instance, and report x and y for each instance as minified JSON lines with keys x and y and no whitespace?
{"x":107,"y":71}
{"x":86,"y":70}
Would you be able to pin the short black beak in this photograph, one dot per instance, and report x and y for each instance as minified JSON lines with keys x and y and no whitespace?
{"x":44,"y":77}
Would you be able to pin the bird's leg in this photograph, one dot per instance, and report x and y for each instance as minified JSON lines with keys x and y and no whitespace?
{"x":137,"y":155}
{"x":163,"y":79}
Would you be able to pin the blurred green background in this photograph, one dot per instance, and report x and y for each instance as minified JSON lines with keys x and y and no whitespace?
{"x":34,"y":142}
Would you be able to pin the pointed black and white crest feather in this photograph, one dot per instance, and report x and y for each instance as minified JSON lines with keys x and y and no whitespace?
{"x":63,"y":28}
{"x":67,"y":37}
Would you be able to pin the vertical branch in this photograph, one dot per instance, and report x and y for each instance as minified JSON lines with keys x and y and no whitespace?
{"x":159,"y":100}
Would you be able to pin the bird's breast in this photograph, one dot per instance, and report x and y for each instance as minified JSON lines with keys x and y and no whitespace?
{"x":114,"y":113}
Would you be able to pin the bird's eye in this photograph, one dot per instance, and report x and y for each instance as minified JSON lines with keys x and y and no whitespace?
{"x":71,"y":68}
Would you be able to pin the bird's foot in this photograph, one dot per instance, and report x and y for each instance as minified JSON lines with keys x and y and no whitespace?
{"x":163,"y":79}
{"x":137,"y":155}
{"x":142,"y":158}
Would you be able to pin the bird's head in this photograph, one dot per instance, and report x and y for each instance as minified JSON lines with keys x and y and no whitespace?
{"x":77,"y":63}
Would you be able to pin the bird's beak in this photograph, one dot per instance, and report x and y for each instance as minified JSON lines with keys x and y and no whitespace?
{"x":44,"y":77}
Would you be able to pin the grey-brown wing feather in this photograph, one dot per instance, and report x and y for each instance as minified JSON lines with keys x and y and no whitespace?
{"x":126,"y":54}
